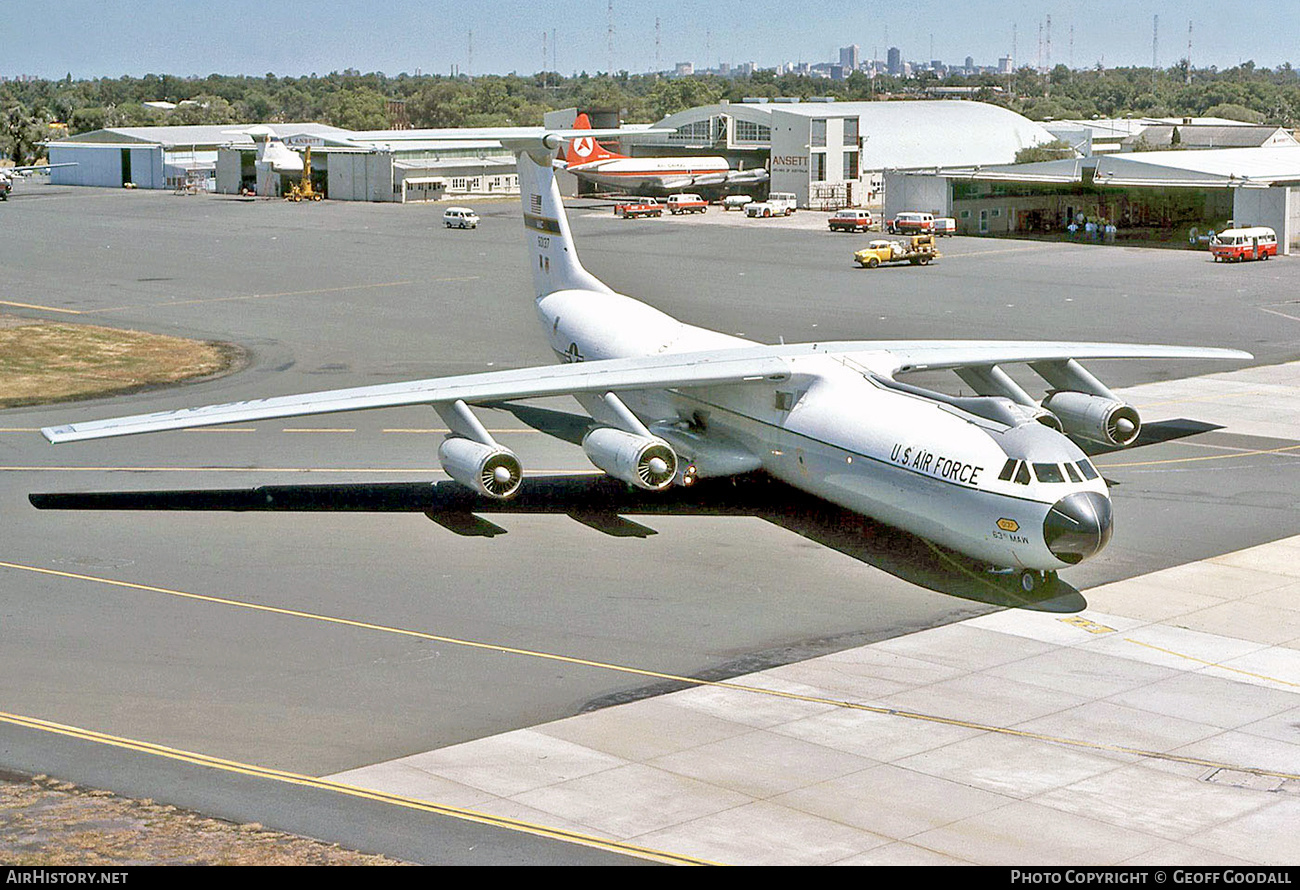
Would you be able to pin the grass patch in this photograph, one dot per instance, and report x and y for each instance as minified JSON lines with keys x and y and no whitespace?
{"x":43,"y":361}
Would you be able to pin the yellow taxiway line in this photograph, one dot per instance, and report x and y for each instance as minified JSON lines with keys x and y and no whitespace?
{"x":261,"y":772}
{"x":657,"y":675}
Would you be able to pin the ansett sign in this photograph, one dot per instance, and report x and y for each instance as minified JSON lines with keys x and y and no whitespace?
{"x":790,"y":163}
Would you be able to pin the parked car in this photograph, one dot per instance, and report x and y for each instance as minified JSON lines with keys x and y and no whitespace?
{"x":945,"y":225}
{"x":850,"y":220}
{"x":686,"y":203}
{"x":736,"y":202}
{"x":630,"y":208}
{"x":460,"y":218}
{"x":911,"y":223}
{"x":1234,"y":245}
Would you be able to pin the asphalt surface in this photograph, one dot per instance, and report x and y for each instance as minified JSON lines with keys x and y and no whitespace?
{"x":356,"y":623}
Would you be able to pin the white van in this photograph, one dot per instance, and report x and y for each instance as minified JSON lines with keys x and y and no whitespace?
{"x":460,"y":218}
{"x":1253,"y":243}
{"x":912,"y":223}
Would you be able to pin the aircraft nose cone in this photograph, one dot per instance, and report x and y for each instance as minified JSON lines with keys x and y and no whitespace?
{"x":1078,"y":526}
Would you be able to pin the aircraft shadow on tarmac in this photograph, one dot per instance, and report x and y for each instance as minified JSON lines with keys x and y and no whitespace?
{"x":604,"y":504}
{"x":1155,"y":433}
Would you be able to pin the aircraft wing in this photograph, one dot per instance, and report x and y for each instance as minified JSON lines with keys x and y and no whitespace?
{"x":932,"y":355}
{"x":660,"y":371}
{"x":31,"y":168}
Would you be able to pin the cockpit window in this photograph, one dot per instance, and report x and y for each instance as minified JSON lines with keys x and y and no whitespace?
{"x":1008,"y":470}
{"x":1072,"y":473}
{"x":1048,"y":473}
{"x":1086,"y":468}
{"x":1022,"y":475}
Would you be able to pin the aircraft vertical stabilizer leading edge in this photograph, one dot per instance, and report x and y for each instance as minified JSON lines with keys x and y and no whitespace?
{"x":997,"y":477}
{"x":555,"y":265}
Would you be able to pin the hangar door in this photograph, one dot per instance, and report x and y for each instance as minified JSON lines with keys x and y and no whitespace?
{"x":1272,"y":207}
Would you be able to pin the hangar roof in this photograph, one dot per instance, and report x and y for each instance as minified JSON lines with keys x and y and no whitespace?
{"x":1220,"y":167}
{"x":1204,"y":168}
{"x":209,"y":135}
{"x":1195,"y":136}
{"x":902,"y":135}
{"x":487,"y":139}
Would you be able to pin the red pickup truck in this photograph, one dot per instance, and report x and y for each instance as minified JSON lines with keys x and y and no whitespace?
{"x":632,"y":207}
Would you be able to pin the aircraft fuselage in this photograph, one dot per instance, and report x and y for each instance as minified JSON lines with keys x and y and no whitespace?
{"x":633,"y":174}
{"x":834,"y":431}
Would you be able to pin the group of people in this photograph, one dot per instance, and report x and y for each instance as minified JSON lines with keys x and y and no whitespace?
{"x":1093,"y":228}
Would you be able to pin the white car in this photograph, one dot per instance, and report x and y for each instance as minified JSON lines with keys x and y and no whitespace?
{"x":460,"y":218}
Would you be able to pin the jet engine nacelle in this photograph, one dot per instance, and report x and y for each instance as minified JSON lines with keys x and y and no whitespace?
{"x":708,"y":179}
{"x":742,"y":177}
{"x":644,"y":461}
{"x":1097,"y":418}
{"x":487,"y":469}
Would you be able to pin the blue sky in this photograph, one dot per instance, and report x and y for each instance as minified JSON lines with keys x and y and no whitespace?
{"x":93,"y":38}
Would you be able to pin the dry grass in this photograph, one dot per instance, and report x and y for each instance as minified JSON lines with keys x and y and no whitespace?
{"x":51,"y":823}
{"x":43,"y":361}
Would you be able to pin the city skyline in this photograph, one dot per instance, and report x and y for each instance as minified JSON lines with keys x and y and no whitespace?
{"x":293,"y":38}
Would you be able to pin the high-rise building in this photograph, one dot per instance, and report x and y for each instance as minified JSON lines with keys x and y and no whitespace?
{"x":970,"y":63}
{"x":895,"y":61}
{"x":849,"y":58}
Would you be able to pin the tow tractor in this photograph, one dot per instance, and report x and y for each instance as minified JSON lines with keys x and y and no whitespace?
{"x":918,"y":250}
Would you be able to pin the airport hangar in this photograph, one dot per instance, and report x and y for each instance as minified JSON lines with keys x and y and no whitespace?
{"x":829,"y":154}
{"x":834,"y":154}
{"x":1170,"y":191}
{"x":378,"y":165}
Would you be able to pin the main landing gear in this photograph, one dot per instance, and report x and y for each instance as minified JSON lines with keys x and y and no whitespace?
{"x":1031,"y":580}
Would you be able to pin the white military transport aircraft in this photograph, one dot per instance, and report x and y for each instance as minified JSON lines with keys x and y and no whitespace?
{"x":994,"y":476}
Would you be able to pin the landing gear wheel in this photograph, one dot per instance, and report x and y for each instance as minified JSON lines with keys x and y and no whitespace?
{"x":1029,"y":580}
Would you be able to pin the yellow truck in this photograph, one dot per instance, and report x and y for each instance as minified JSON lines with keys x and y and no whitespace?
{"x":918,"y":250}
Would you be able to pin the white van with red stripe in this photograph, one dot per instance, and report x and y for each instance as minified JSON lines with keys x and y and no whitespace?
{"x":1234,"y":245}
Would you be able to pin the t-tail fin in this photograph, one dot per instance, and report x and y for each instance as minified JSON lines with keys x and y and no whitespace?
{"x":585,"y":149}
{"x":551,"y":251}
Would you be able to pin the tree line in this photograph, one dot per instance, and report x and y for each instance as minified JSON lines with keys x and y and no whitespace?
{"x":38,"y":110}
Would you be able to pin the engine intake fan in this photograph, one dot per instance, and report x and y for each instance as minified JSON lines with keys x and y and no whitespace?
{"x":489,"y":470}
{"x":643,"y":461}
{"x":1097,"y":418}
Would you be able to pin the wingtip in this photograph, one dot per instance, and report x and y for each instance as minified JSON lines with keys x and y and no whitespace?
{"x":57,"y":435}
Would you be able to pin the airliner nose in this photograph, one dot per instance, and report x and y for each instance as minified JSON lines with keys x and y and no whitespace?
{"x":1077,"y":526}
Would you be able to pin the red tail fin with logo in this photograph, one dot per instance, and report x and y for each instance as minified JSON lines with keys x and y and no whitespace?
{"x":586,"y":149}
